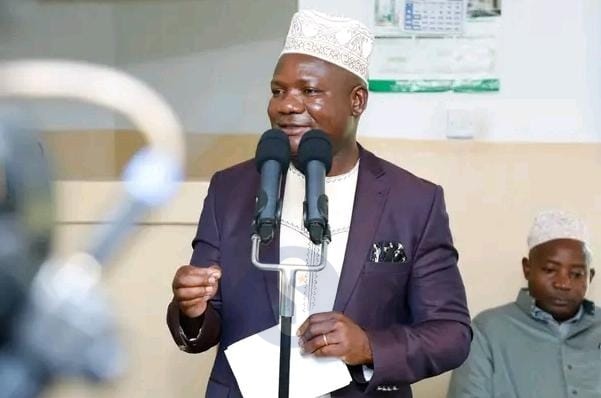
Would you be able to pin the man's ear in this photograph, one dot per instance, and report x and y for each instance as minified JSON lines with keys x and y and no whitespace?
{"x":359,"y":96}
{"x":526,"y":267}
{"x":591,"y":274}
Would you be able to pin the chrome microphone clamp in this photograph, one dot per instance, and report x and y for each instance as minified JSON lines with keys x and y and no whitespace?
{"x":287,"y":273}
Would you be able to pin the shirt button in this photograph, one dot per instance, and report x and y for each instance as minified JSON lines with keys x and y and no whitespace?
{"x":574,"y":392}
{"x":570,"y":368}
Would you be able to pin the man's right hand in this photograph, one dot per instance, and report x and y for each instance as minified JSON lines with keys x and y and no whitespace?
{"x":193,"y":287}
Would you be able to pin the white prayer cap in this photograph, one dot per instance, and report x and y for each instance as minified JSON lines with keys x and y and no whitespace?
{"x":342,"y":41}
{"x":556,"y":224}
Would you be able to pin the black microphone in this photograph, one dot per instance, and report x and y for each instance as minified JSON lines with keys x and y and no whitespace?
{"x":272,"y":159}
{"x":315,"y":161}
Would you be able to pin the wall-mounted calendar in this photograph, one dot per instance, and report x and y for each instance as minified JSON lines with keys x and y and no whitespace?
{"x":419,"y":17}
{"x":434,"y":16}
{"x":435,"y":46}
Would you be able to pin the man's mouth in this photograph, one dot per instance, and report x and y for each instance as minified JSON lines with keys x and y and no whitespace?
{"x":294,"y":129}
{"x":560,"y":302}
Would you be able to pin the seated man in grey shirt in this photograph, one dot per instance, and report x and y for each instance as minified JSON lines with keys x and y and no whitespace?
{"x":547,"y":344}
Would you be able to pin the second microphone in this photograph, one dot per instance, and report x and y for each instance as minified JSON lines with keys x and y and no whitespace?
{"x":314,"y":160}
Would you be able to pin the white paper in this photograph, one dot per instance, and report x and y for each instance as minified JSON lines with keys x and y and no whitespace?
{"x":255,"y":362}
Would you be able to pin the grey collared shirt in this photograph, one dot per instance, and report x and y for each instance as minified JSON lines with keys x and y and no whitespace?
{"x":519,"y":351}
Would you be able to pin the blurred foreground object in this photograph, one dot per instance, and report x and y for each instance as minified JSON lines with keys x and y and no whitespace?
{"x":54,"y":318}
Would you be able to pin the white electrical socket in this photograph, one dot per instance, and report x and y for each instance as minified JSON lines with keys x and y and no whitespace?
{"x":462,"y":123}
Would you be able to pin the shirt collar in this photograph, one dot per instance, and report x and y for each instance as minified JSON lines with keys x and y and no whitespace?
{"x":528,"y":305}
{"x":299,"y":174}
{"x":542,"y":315}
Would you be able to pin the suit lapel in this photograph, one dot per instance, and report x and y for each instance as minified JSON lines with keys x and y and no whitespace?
{"x":370,"y":196}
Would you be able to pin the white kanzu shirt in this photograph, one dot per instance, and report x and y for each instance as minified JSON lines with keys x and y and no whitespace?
{"x":316,"y":291}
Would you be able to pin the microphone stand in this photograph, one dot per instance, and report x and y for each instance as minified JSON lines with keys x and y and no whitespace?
{"x":287,"y":286}
{"x":65,"y":299}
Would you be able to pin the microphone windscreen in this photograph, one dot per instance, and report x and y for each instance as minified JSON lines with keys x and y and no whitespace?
{"x":315,"y":145}
{"x":273,"y":145}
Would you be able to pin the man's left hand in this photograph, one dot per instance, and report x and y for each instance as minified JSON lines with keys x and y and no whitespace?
{"x":331,"y":334}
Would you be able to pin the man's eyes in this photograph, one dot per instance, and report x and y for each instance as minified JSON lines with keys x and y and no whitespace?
{"x":573,"y":274}
{"x":306,"y":91}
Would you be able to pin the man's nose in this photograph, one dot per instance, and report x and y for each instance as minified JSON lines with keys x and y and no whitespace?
{"x":562,"y":281}
{"x":291,"y":103}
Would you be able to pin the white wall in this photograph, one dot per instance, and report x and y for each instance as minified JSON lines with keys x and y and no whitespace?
{"x":66,"y":30}
{"x":550,"y":71}
{"x":593,"y":65}
{"x":212,"y":60}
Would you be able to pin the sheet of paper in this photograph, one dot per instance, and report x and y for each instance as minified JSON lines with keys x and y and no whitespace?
{"x":255,"y":361}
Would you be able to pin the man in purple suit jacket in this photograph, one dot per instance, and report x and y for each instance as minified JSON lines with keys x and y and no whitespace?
{"x":404,"y":315}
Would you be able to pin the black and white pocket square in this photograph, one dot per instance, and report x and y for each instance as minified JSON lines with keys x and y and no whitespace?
{"x":387,"y":252}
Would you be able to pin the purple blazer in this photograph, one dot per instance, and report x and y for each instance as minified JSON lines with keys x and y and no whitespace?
{"x":414,"y":313}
